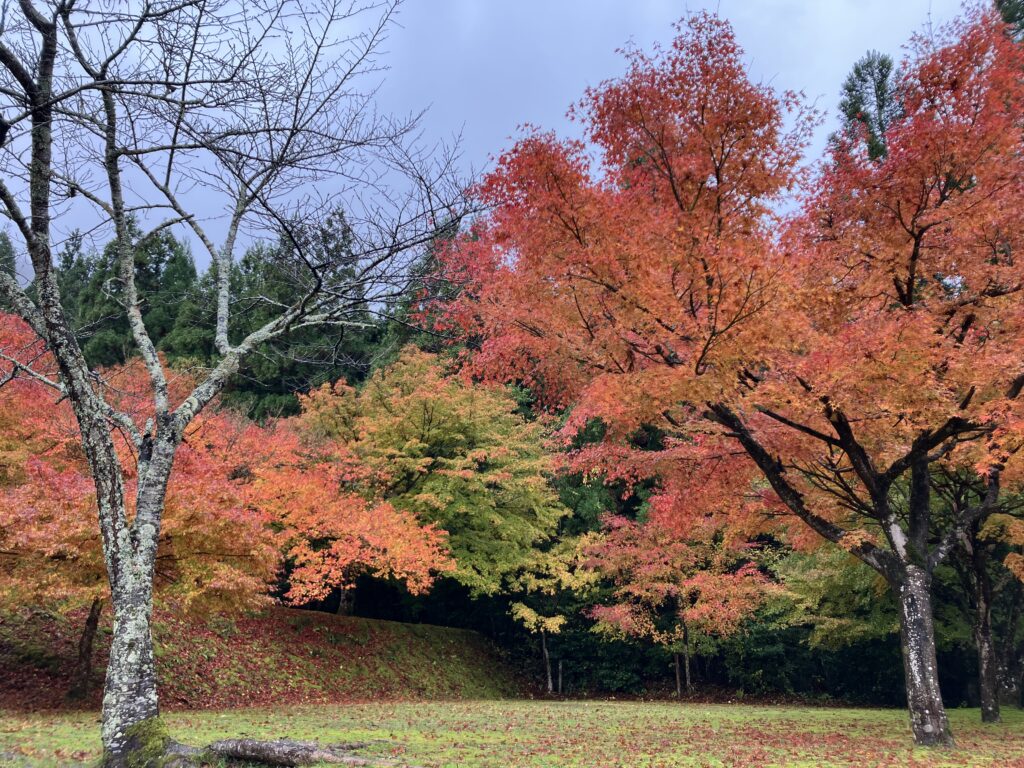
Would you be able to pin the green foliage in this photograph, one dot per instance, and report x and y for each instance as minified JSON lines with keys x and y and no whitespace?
{"x":587,"y":500}
{"x":552,"y":582}
{"x":1012,"y":12}
{"x":842,"y":600}
{"x":179,"y":310}
{"x":74,"y":270}
{"x":407,"y":319}
{"x":870,"y":101}
{"x":462,"y":457}
{"x":165,"y":276}
{"x":8,"y":262}
{"x":265,"y":279}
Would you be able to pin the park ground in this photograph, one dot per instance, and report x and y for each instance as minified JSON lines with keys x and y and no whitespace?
{"x":570,"y":734}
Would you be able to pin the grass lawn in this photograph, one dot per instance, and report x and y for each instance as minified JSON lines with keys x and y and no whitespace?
{"x":517,"y":734}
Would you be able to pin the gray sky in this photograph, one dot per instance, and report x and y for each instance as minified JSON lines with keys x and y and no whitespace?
{"x":486,"y":66}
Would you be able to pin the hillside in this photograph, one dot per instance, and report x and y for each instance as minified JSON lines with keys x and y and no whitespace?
{"x":283,"y":656}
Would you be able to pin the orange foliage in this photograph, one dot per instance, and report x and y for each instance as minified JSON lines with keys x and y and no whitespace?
{"x":667,"y":589}
{"x":657,"y":284}
{"x":307,"y":482}
{"x":240,"y":497}
{"x":216,"y":551}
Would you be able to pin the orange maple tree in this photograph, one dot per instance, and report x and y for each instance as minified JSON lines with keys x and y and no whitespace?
{"x":241,"y":498}
{"x":673,"y":590}
{"x":312,"y":484}
{"x":808,"y":374}
{"x":215,"y":552}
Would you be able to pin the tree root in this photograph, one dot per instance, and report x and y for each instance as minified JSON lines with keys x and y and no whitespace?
{"x":282,"y":752}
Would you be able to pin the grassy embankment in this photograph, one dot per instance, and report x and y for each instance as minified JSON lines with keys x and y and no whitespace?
{"x":282,"y":657}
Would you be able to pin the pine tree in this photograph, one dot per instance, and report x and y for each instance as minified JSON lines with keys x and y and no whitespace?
{"x":8,"y":262}
{"x":165,"y":275}
{"x":74,"y":273}
{"x":870,"y":101}
{"x":1012,"y":12}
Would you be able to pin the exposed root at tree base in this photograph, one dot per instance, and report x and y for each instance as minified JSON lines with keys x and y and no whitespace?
{"x":283,"y":752}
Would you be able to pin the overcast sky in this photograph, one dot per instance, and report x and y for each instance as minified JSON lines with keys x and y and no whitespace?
{"x":484,"y":67}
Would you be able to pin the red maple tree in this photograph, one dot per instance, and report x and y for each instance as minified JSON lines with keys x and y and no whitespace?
{"x":809,"y":375}
{"x":242,"y":498}
{"x":673,"y":590}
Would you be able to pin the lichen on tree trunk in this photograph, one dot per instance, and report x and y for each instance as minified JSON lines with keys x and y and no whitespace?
{"x":928,"y":719}
{"x":130,"y":710}
{"x":282,"y":752}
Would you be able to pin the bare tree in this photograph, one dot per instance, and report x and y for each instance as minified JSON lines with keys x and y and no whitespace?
{"x":229,"y":118}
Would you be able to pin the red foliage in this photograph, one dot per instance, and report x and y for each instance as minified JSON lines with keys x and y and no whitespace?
{"x":216,"y":550}
{"x":240,"y":496}
{"x":668,"y":589}
{"x":653,"y":287}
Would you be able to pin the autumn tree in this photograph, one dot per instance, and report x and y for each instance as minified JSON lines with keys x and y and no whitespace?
{"x":986,"y":565}
{"x":672,"y":590}
{"x":810,"y":381}
{"x":309,"y":484}
{"x":150,"y":111}
{"x":452,"y":454}
{"x":242,"y":499}
{"x":216,"y":552}
{"x":540,"y":588}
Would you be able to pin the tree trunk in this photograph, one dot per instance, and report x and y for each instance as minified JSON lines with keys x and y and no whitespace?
{"x":559,"y":677}
{"x":1010,"y":677}
{"x":1009,"y":674}
{"x":679,"y":677}
{"x":988,"y":666}
{"x":979,"y":584}
{"x":81,"y":676}
{"x":1010,"y":687}
{"x":547,"y":661}
{"x":917,"y":637}
{"x":988,"y":671}
{"x":346,"y":602}
{"x":130,"y":723}
{"x":686,"y":657}
{"x":282,"y":752}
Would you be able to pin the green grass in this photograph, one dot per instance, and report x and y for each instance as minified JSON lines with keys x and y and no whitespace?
{"x":528,"y":734}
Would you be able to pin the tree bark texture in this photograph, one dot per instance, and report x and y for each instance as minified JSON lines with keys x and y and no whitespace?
{"x":928,"y":719}
{"x":547,"y":661}
{"x":282,"y":752}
